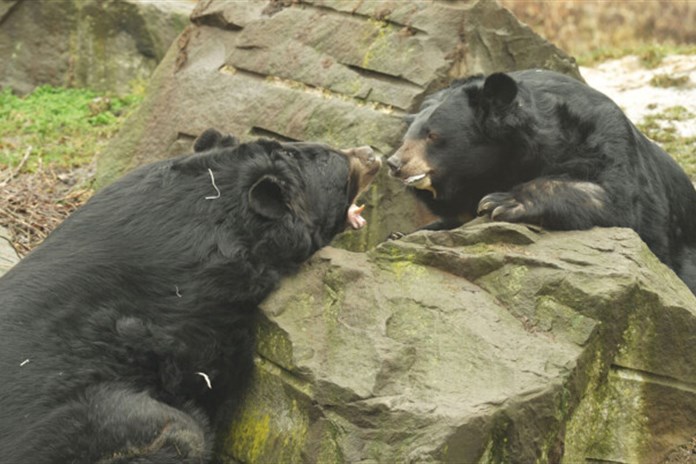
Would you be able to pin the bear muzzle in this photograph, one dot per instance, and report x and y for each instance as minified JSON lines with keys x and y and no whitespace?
{"x":410,"y":165}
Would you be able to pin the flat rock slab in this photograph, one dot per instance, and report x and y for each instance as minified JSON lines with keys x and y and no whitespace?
{"x":8,"y":255}
{"x":490,"y":343}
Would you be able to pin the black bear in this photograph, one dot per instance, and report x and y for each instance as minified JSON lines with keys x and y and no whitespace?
{"x":124,"y":332}
{"x":538,"y":147}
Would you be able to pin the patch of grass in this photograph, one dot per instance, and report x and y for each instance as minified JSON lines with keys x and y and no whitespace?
{"x":676,"y":113}
{"x":666,"y":81}
{"x":650,"y":54}
{"x":58,"y":126}
{"x":660,"y":128}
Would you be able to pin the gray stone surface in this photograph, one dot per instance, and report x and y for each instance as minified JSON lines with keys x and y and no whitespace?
{"x":101,"y":44}
{"x":491,"y":343}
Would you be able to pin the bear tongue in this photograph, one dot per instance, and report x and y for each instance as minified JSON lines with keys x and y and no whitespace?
{"x":354,"y":218}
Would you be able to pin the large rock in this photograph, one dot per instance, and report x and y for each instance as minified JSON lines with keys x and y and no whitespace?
{"x":101,"y":44}
{"x":344,"y":73}
{"x":490,"y":343}
{"x":8,"y":255}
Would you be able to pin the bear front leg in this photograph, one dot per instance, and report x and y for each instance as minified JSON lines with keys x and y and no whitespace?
{"x":551,"y":203}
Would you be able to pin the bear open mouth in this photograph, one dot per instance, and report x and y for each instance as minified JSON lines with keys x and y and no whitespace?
{"x":364,"y":166}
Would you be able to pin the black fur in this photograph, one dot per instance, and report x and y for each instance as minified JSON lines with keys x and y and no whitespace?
{"x":539,"y":147}
{"x":212,"y":138}
{"x":109,"y":328}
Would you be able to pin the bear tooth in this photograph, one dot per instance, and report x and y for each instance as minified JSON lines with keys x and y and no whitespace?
{"x":415,"y":178}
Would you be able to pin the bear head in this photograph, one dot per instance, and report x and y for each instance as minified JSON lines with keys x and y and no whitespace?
{"x":458,"y":145}
{"x":284,"y":200}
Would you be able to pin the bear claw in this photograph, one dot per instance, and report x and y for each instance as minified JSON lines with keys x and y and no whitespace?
{"x":501,"y":206}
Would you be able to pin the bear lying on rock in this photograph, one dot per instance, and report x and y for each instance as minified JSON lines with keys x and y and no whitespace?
{"x":123,"y":333}
{"x":542,"y":148}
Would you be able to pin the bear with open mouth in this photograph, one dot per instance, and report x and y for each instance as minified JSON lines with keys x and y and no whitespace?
{"x":125,"y":332}
{"x":542,"y":148}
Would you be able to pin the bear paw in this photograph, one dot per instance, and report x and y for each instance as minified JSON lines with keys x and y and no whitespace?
{"x":501,"y":206}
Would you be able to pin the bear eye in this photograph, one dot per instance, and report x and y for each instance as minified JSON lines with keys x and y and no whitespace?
{"x":286,"y":152}
{"x":432,"y":136}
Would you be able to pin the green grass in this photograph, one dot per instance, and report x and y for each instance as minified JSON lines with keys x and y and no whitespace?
{"x":58,"y":126}
{"x":659,"y":127}
{"x":650,"y":54}
{"x":666,"y":81}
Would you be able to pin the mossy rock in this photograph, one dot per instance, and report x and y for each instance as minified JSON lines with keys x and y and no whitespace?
{"x":525,"y":346}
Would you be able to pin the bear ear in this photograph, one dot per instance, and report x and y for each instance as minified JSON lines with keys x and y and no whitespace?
{"x":212,"y":138}
{"x":267,"y":198}
{"x":207,"y":140}
{"x":500,"y":89}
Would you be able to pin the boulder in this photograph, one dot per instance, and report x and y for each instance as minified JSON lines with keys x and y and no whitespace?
{"x":344,"y":73}
{"x":8,"y":255}
{"x":101,"y":44}
{"x":493,"y":342}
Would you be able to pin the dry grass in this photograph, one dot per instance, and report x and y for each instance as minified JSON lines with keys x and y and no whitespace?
{"x":33,"y":204}
{"x":586,"y":28}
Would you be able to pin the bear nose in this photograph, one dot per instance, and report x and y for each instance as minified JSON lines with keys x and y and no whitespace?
{"x":394,"y":163}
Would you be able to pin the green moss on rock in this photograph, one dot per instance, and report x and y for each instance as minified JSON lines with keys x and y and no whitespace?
{"x":274,"y":422}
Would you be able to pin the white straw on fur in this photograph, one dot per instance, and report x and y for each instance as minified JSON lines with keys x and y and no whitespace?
{"x":212,"y":179}
{"x":177,"y":291}
{"x":24,"y":363}
{"x":206,"y":378}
